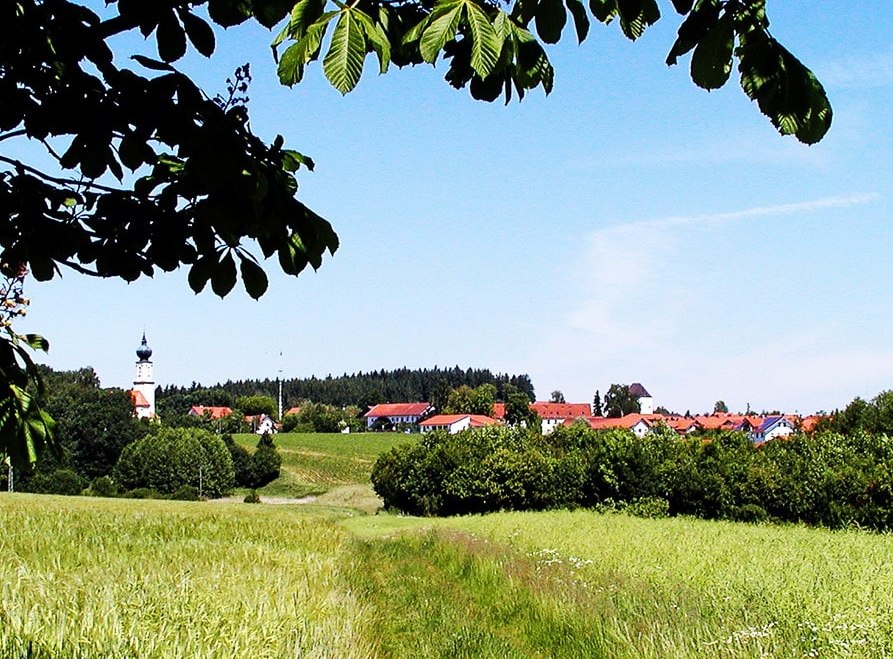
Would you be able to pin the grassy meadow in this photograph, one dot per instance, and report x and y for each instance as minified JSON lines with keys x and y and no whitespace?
{"x":315,"y":463}
{"x":82,"y":577}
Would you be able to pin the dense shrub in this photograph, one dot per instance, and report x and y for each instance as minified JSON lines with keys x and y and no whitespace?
{"x":824,"y":479}
{"x":58,"y":481}
{"x":103,"y":486}
{"x":170,"y":458}
{"x":252,"y":497}
{"x":265,"y":465}
{"x":186,"y":493}
{"x":241,"y":461}
{"x":143,"y":493}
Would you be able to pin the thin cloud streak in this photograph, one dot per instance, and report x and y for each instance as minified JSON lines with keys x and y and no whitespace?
{"x":758,"y":211}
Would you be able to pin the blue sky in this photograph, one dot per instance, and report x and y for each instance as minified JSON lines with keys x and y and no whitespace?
{"x":629,"y":227}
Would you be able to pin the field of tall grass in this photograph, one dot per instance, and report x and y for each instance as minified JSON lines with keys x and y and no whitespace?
{"x":83,"y":577}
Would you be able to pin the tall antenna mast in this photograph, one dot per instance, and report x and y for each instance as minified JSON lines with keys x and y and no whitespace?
{"x":279,"y":377}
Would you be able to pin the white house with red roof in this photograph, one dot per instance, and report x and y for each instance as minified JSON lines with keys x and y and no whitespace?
{"x":639,"y":424}
{"x":454,"y":423}
{"x":262,"y":424}
{"x":773,"y":427}
{"x":410,"y":413}
{"x":555,"y":414}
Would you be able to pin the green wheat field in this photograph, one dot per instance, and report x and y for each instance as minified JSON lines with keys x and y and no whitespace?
{"x":84,"y":577}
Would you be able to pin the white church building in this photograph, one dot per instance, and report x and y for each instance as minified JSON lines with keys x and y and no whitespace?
{"x":143,"y":391}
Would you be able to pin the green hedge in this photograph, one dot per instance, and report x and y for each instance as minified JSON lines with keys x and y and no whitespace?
{"x":171,"y":458}
{"x":826,"y":479}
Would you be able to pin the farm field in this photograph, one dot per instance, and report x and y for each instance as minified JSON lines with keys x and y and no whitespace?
{"x":85,"y":577}
{"x":315,"y":463}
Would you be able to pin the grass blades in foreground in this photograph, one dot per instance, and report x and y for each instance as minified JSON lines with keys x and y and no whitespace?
{"x":83,"y":577}
{"x":628,"y":587}
{"x":450,"y":595}
{"x":103,"y":578}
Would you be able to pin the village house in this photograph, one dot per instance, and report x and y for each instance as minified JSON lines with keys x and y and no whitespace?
{"x":555,"y":414}
{"x":639,"y":424}
{"x":407,"y":413}
{"x":212,"y":412}
{"x":454,"y":423}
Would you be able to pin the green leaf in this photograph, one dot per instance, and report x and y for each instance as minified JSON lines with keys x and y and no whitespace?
{"x":37,"y":342}
{"x":303,"y":15}
{"x":199,"y":32}
{"x":694,"y":28}
{"x":292,"y":161}
{"x":42,"y":268}
{"x":603,"y":10}
{"x":785,"y":90}
{"x":153,"y":64}
{"x":291,"y":68}
{"x":636,"y":16}
{"x":343,"y":64}
{"x":200,"y":273}
{"x":485,"y":43}
{"x":581,"y":20}
{"x":711,"y":63}
{"x":224,"y":277}
{"x":227,"y":13}
{"x":253,"y":276}
{"x":550,"y":19}
{"x":269,"y":12}
{"x":441,"y":27}
{"x":376,"y":37}
{"x":171,"y":38}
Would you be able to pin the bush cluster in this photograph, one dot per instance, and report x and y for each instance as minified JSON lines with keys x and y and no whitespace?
{"x":254,"y":469}
{"x":825,"y":479}
{"x":171,"y":458}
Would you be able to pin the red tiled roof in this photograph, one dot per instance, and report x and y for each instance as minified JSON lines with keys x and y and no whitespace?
{"x":397,"y":409}
{"x":499,"y":410}
{"x":808,"y":423}
{"x":628,"y":421}
{"x":477,"y":420}
{"x":212,"y":411}
{"x":682,"y":425}
{"x":138,"y":399}
{"x":292,"y":410}
{"x":561,"y":410}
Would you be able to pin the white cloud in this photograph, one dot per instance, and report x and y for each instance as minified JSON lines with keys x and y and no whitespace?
{"x":645,"y":312}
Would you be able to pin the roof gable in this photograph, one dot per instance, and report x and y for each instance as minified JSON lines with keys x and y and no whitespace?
{"x":636,"y":389}
{"x":215,"y":412}
{"x":561,"y":410}
{"x":397,"y":409}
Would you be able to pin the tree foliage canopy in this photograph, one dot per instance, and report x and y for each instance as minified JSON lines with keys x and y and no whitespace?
{"x":619,"y":401}
{"x":140,"y":170}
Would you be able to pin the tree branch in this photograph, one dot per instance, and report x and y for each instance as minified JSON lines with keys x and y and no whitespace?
{"x":11,"y":134}
{"x":52,"y":179}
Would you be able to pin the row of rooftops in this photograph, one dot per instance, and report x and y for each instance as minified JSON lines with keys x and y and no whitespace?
{"x":568,"y":413}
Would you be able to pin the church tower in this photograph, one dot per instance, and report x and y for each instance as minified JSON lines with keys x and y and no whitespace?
{"x":144,"y":383}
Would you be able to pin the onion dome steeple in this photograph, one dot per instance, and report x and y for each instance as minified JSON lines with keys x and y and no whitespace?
{"x":144,"y":351}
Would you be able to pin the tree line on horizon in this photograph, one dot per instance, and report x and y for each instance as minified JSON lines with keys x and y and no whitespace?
{"x":432,"y":385}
